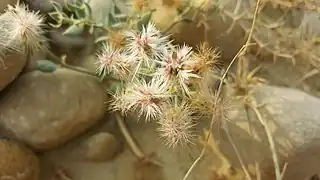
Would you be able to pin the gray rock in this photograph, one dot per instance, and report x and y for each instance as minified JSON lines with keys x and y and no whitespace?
{"x":17,"y":162}
{"x":293,"y":118}
{"x":45,"y":110}
{"x":99,"y":147}
{"x":44,"y":6}
{"x":297,"y":116}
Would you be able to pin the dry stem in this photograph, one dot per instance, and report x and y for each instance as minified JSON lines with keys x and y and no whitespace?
{"x":271,"y":144}
{"x":306,"y":76}
{"x":257,"y":165}
{"x":243,"y":63}
{"x":132,"y":144}
{"x":244,"y":47}
{"x":234,"y":146}
{"x":212,"y":119}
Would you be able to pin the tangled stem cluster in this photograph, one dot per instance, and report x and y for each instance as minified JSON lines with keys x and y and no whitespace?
{"x":161,"y":81}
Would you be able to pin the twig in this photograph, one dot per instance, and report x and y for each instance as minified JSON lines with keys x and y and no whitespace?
{"x":178,"y":20}
{"x":244,"y":47}
{"x":62,"y":61}
{"x":257,"y":165}
{"x":172,"y":25}
{"x":258,"y":173}
{"x":271,"y":144}
{"x":243,"y":166}
{"x":284,"y":170}
{"x":212,"y":119}
{"x":243,"y":63}
{"x":132,"y":144}
{"x":306,"y":76}
{"x":252,"y":26}
{"x":215,"y":148}
{"x":134,"y":147}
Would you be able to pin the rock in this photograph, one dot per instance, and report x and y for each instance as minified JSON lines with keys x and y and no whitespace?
{"x":89,"y":63}
{"x":46,"y":110}
{"x":17,"y":162}
{"x":11,"y":65}
{"x":293,"y":118}
{"x":227,"y":43}
{"x":298,"y":117}
{"x":44,"y":6}
{"x":33,"y":62}
{"x":74,"y":46}
{"x":100,"y":147}
{"x":4,"y":4}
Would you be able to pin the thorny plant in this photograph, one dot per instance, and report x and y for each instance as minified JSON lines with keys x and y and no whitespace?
{"x":21,"y":31}
{"x":152,"y":77}
{"x":172,"y":85}
{"x":287,"y":42}
{"x":160,"y":81}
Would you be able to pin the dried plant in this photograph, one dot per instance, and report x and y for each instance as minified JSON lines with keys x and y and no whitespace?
{"x":279,"y":37}
{"x":163,"y":83}
{"x":21,"y":30}
{"x":173,"y":85}
{"x":176,"y":124}
{"x":148,"y":72}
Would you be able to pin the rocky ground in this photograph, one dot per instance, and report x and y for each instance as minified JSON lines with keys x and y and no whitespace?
{"x":54,"y":126}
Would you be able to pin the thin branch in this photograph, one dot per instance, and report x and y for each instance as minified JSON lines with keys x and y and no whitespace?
{"x":306,"y":76}
{"x":178,"y":20}
{"x":62,"y":61}
{"x":252,"y":26}
{"x":257,"y":165}
{"x":212,"y":119}
{"x":132,"y":144}
{"x":244,"y":62}
{"x":243,"y":166}
{"x":243,"y":48}
{"x":271,"y":144}
{"x":284,"y":170}
{"x":127,"y":136}
{"x":258,"y":173}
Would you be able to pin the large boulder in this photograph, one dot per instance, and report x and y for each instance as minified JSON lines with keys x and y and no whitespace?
{"x":45,"y":110}
{"x":293,"y":119}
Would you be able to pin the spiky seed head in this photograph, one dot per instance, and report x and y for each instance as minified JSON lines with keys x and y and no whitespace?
{"x":114,"y":62}
{"x":144,"y":97}
{"x":205,"y":62}
{"x":205,"y":59}
{"x":173,"y":67}
{"x":21,"y":30}
{"x":147,"y":45}
{"x":176,"y":124}
{"x":117,"y":38}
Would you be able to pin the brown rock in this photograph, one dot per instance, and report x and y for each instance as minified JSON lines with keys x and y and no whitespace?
{"x":11,"y":65}
{"x":46,"y":110}
{"x":17,"y":162}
